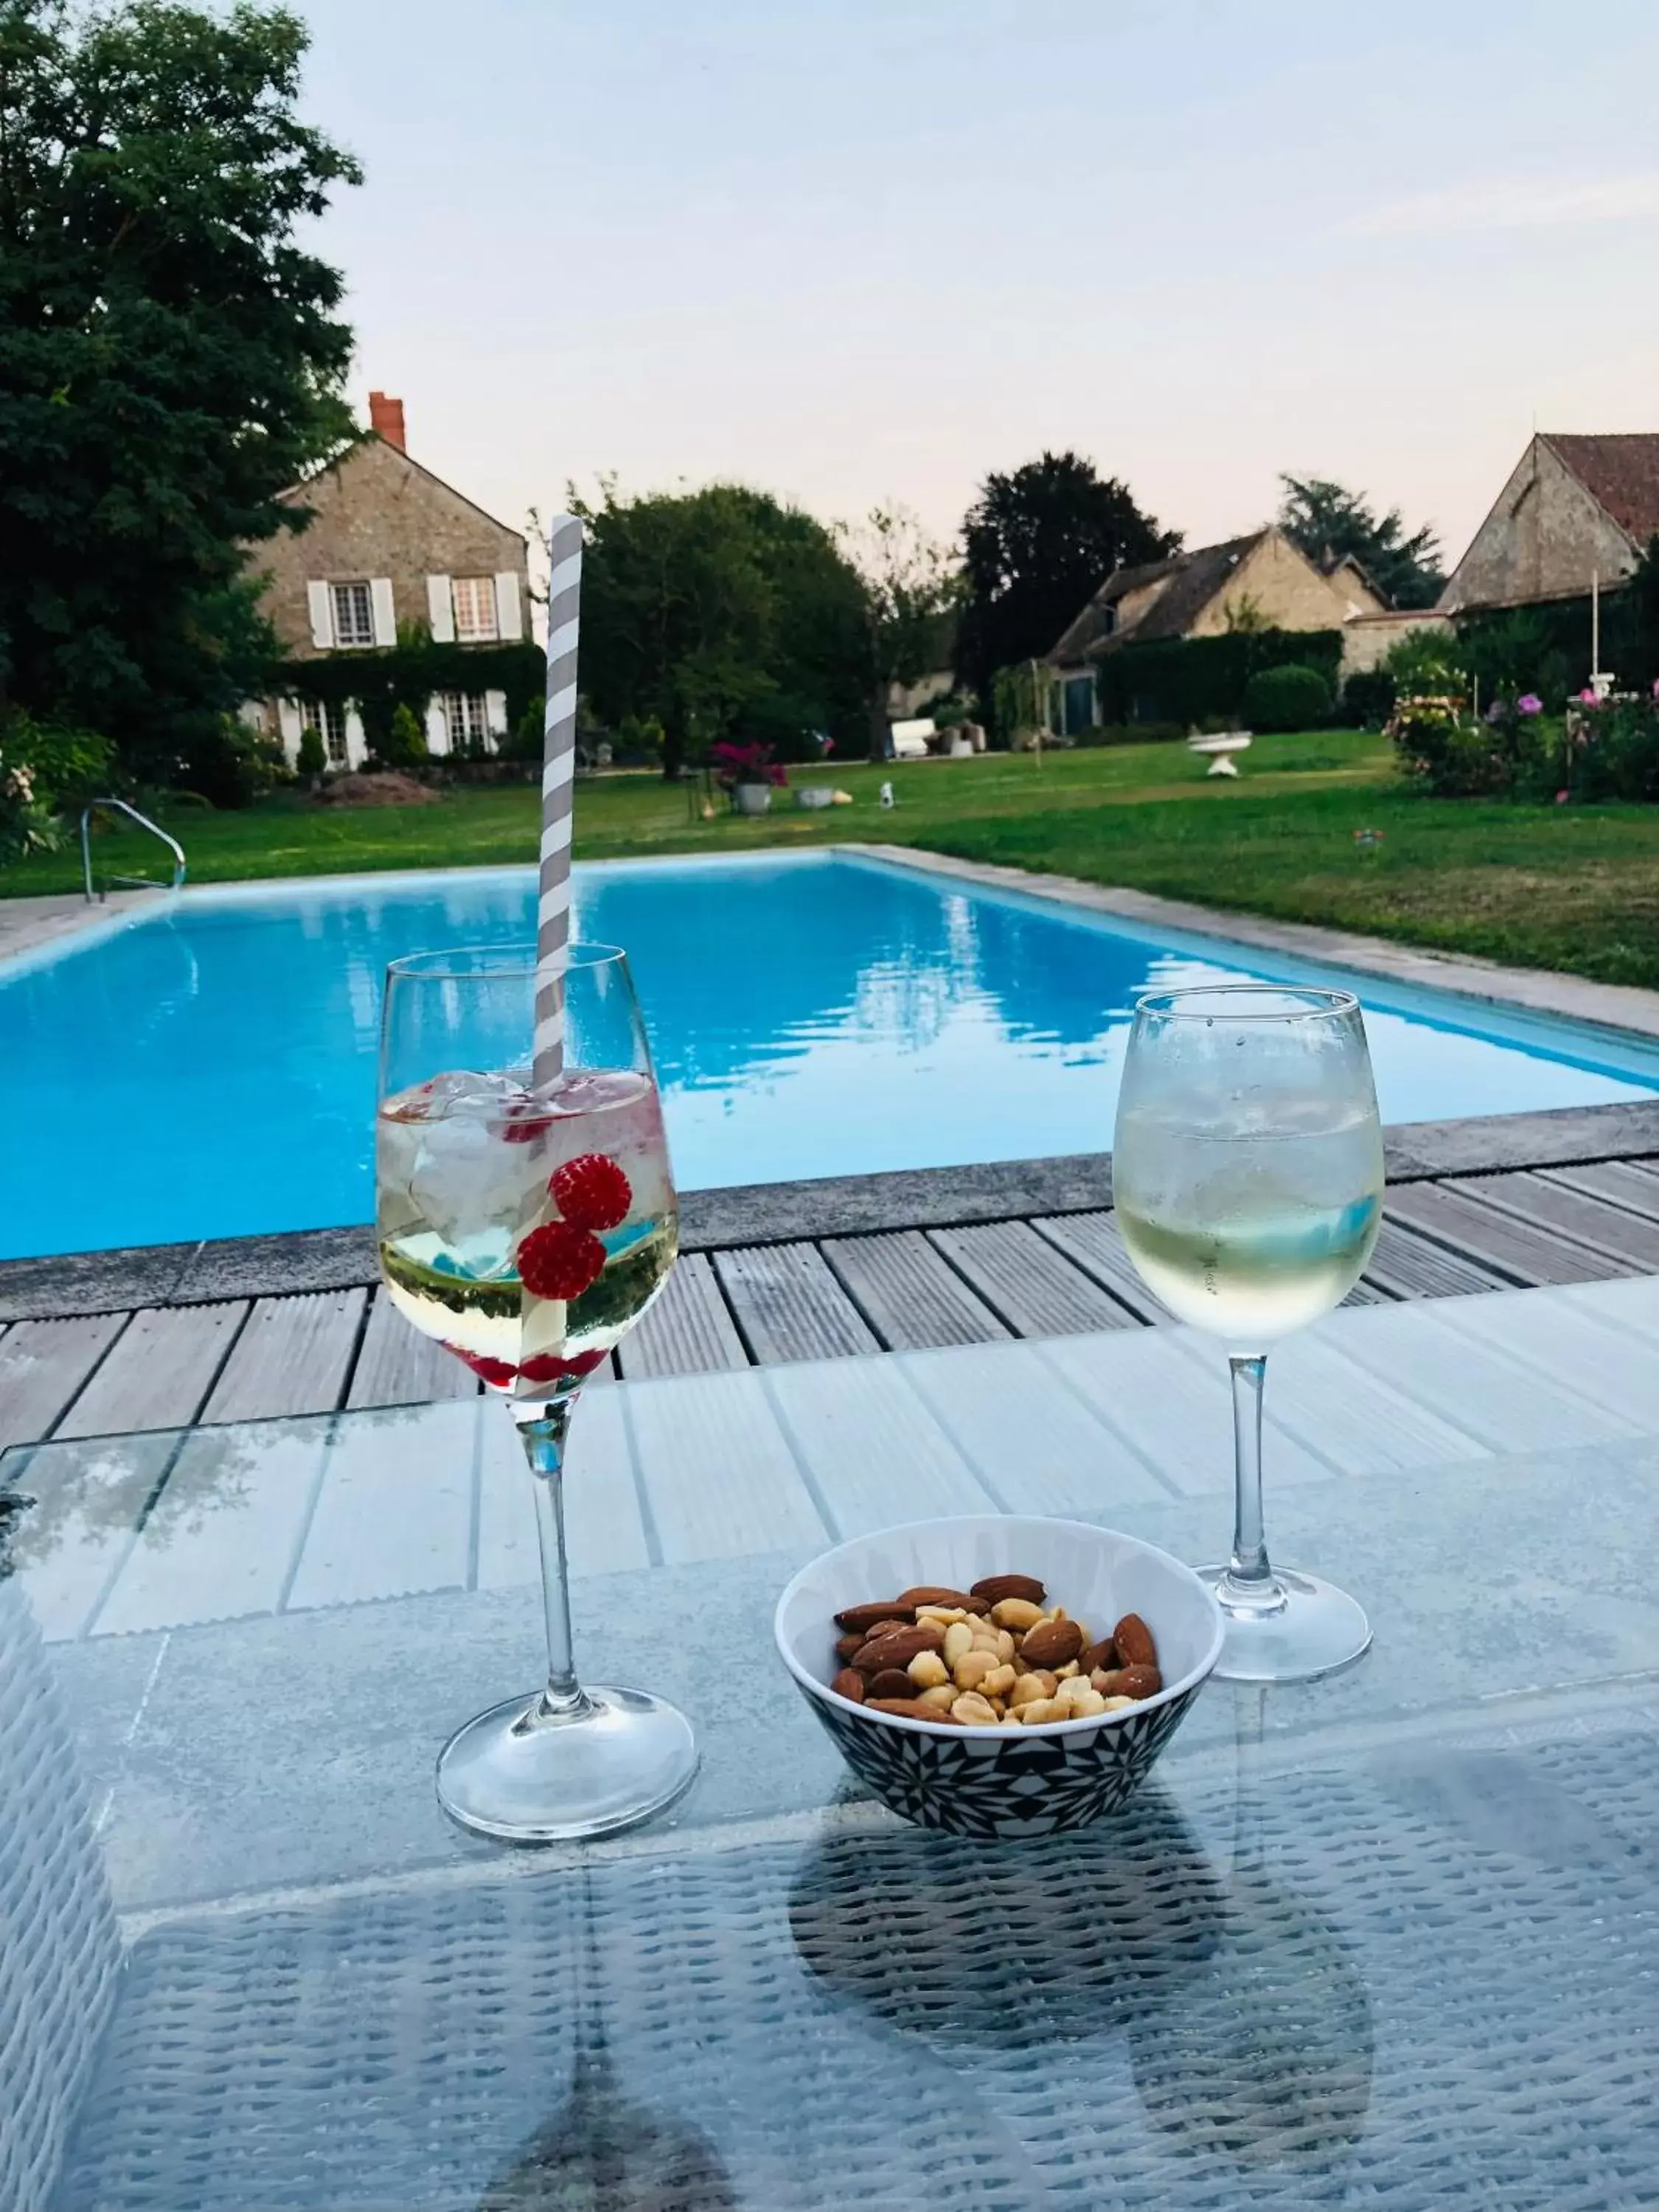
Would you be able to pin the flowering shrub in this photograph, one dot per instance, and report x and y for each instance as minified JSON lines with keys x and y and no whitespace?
{"x":1441,"y":752}
{"x":736,"y":764}
{"x":1612,"y":749}
{"x":26,"y":826}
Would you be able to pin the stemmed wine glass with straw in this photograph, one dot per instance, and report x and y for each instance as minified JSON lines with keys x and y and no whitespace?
{"x":526,"y":1226}
{"x":1246,"y":1171}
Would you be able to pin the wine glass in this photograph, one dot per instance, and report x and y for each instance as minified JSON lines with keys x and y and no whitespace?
{"x":527,"y":1228}
{"x":1246,"y":1171}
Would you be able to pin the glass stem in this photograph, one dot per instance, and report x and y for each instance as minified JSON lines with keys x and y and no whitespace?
{"x":1248,"y":1584}
{"x":542,"y":1430}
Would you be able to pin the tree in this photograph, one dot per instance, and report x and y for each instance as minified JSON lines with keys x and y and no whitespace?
{"x":170,"y":358}
{"x":1331,"y":524}
{"x":912,"y":592}
{"x":1036,"y":545}
{"x":312,"y":760}
{"x":721,"y":614}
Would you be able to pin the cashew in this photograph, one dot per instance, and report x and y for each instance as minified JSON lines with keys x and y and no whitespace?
{"x":928,"y":1670}
{"x":958,"y":1642}
{"x":1017,"y":1613}
{"x":1044,"y":1709}
{"x":972,"y":1667}
{"x":974,"y":1711}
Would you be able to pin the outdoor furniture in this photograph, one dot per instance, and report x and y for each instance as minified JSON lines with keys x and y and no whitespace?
{"x":1392,"y":1934}
{"x":1220,"y":749}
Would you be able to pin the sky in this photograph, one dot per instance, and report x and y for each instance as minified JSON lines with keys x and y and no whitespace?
{"x":863,"y":252}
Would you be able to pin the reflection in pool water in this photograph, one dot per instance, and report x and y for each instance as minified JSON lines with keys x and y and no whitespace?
{"x":210,"y":1072}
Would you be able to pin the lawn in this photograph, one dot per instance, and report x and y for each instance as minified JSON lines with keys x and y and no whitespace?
{"x":1561,"y":887}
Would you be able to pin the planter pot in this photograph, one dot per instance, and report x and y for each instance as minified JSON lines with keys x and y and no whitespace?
{"x":752,"y":798}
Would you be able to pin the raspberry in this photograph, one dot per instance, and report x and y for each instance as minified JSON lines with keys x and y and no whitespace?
{"x":554,"y":1367}
{"x":523,"y":1124}
{"x":497,"y":1373}
{"x":559,"y":1261}
{"x":591,"y":1191}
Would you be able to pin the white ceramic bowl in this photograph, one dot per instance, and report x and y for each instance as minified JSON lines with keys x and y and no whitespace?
{"x":1013,"y":1780}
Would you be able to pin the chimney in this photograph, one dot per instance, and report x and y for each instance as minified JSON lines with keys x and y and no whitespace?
{"x":385,"y":417}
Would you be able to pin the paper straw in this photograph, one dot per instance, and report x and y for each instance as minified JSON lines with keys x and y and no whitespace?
{"x":558,"y":772}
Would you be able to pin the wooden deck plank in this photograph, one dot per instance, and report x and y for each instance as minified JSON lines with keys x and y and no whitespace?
{"x":720,"y":1481}
{"x":1569,"y":1345}
{"x":1524,"y":1254}
{"x":221,"y":1539}
{"x":1094,"y":1243}
{"x":874,"y":1454}
{"x":159,"y":1373}
{"x":292,"y":1356}
{"x":688,"y":1331}
{"x":789,"y":1305}
{"x":1572,"y":1213}
{"x":1504,"y":1402}
{"x":1621,"y":1182}
{"x":393,"y":1514}
{"x":908,"y":1291}
{"x":1407,"y":1266}
{"x":1172,"y":1407}
{"x":605,"y":1533}
{"x":397,"y":1366}
{"x":1033,"y":1287}
{"x":44,"y":1365}
{"x":1037,"y":1445}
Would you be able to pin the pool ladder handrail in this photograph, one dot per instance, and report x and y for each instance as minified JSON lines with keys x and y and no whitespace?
{"x":133,"y":883}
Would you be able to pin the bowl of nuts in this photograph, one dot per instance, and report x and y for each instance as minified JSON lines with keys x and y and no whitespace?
{"x":999,"y":1676}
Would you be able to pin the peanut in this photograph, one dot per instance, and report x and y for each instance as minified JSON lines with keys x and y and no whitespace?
{"x":1089,"y":1706}
{"x":998,"y":1682}
{"x":1016,"y":1612}
{"x":1044,"y":1709}
{"x":939,"y":1700}
{"x":958,"y":1642}
{"x":974,"y":1711}
{"x":1068,"y":1673}
{"x":928,"y":1670}
{"x":1006,"y":1648}
{"x":972,"y":1667}
{"x":1072,"y":1691}
{"x":942,"y":1616}
{"x":1117,"y":1705}
{"x":1029,"y":1688}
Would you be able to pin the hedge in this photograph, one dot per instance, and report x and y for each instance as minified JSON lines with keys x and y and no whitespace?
{"x":1183,"y":679}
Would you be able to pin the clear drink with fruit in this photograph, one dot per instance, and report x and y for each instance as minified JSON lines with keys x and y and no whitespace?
{"x":526,"y":1228}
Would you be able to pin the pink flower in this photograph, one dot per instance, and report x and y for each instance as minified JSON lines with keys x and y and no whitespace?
{"x":1589,"y":697}
{"x":1529,"y":703}
{"x":1560,"y":797}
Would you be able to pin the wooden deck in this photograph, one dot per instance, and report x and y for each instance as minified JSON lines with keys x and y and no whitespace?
{"x":769,"y":1304}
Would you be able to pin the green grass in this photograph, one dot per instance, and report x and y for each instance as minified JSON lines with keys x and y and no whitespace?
{"x":1575,"y":888}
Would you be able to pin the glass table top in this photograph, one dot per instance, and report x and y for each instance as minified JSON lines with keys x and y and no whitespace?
{"x":1391,"y":1939}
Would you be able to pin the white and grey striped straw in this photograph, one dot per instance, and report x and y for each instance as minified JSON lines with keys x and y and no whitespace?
{"x":559,"y":756}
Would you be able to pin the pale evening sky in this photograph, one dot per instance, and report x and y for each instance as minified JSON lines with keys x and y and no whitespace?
{"x":867,"y":251}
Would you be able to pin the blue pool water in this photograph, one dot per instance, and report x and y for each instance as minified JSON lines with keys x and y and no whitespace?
{"x":209,"y":1069}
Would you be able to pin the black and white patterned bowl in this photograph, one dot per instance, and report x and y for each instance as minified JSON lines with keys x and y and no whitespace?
{"x":1010,"y":1781}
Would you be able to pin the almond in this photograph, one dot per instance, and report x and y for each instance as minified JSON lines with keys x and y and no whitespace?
{"x":911,"y":1708}
{"x":1134,"y":1639}
{"x":1104,"y":1654}
{"x":1135,"y":1682}
{"x":897,"y":1648}
{"x":891,"y":1683}
{"x":848,"y":1647}
{"x":994,"y":1587}
{"x":1051,"y":1643}
{"x":936,"y":1594}
{"x":849,"y":1683}
{"x":867,"y":1617}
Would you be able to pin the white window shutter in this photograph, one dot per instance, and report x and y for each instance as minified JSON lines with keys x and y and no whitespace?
{"x":437,"y":722}
{"x":441,"y":610}
{"x":496,"y":712}
{"x":386,"y":614}
{"x":356,"y":742}
{"x":322,"y":616}
{"x":509,"y":614}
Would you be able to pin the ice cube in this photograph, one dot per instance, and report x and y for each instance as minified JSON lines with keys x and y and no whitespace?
{"x":473,"y":1190}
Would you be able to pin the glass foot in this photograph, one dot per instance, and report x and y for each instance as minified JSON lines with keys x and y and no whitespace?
{"x":526,"y":1778}
{"x":1313,"y":1629}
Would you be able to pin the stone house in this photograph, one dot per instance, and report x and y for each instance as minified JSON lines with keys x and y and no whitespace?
{"x":389,"y":544}
{"x":1263,"y":581}
{"x":1575,"y":509}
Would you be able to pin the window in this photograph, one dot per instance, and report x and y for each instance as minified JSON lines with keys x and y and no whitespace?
{"x":354,"y":614}
{"x":466,"y":717}
{"x":328,"y":719}
{"x":475,"y":609}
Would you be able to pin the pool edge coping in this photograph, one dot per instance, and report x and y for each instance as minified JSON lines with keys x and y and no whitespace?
{"x":291,"y":1263}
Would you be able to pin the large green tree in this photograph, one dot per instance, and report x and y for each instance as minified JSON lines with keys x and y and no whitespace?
{"x":1330,"y":523}
{"x":722,"y":614}
{"x":1036,"y":544}
{"x":170,"y":356}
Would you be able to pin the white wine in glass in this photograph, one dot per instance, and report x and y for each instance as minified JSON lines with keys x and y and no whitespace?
{"x":526,"y":1228}
{"x":1247,"y":1172}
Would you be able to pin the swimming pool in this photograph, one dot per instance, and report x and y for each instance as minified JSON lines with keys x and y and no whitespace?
{"x":208,"y":1068}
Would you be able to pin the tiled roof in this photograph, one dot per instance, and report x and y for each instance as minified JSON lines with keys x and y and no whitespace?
{"x":1621,"y":470}
{"x":1194,"y":580}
